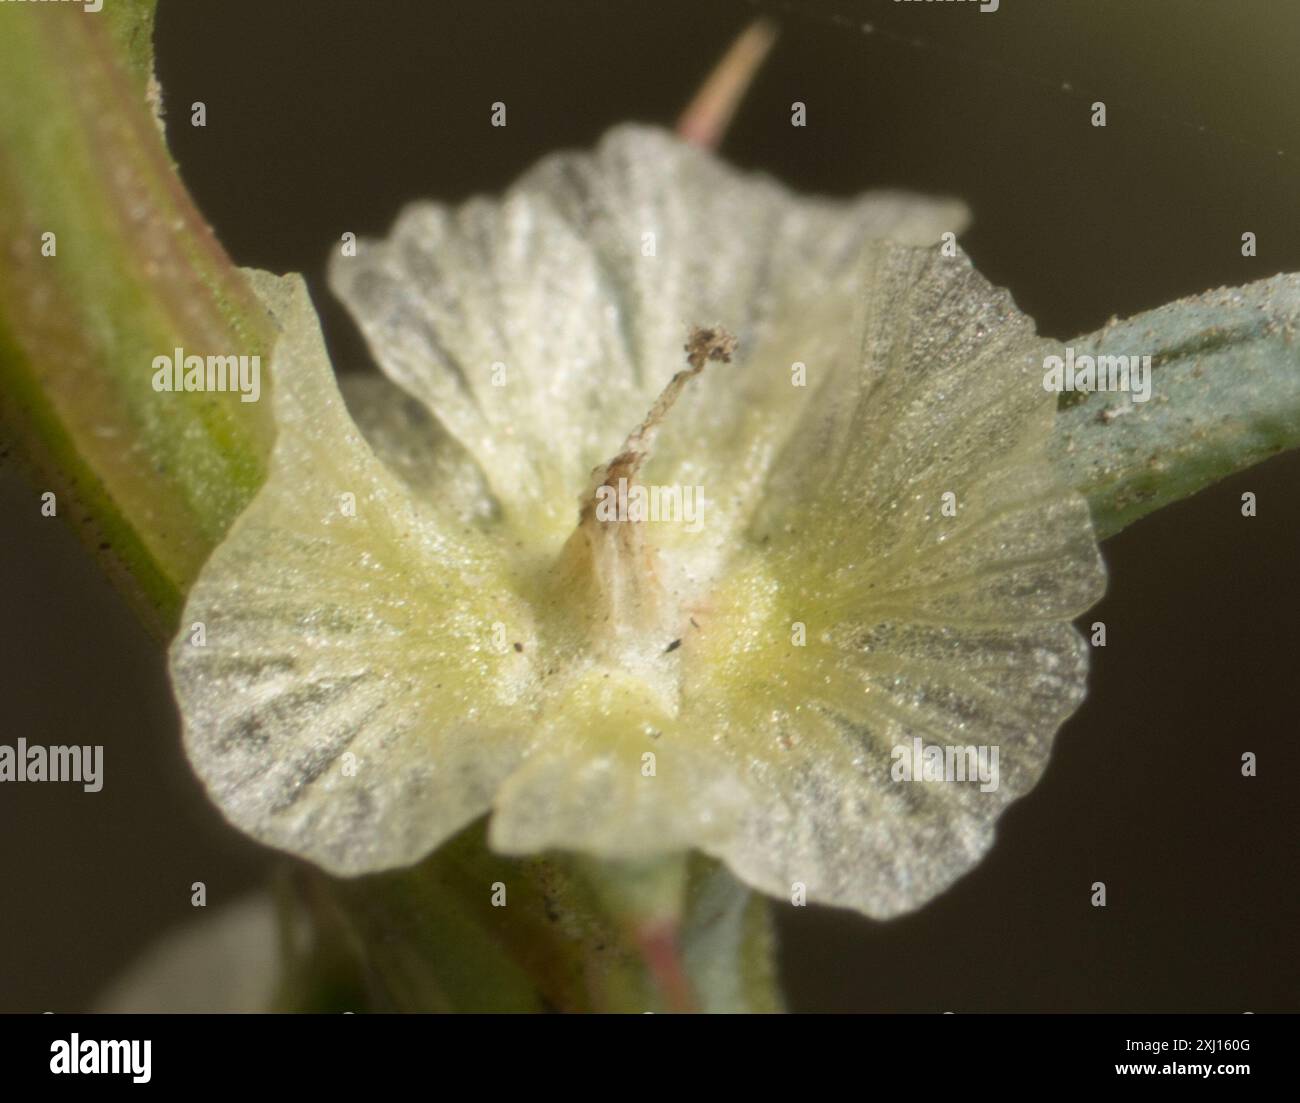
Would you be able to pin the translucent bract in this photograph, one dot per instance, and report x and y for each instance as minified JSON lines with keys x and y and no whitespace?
{"x":393,"y":648}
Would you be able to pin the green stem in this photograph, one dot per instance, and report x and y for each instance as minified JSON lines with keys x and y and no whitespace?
{"x":1225,"y":394}
{"x":470,"y":930}
{"x":130,"y":272}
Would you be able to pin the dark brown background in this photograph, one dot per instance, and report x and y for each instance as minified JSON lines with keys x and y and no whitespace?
{"x":327,"y":116}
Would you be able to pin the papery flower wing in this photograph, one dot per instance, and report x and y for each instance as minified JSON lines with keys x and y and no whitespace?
{"x":860,"y":617}
{"x":540,"y":327}
{"x":345,"y":699}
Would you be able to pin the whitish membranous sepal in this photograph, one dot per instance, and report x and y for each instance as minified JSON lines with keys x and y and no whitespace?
{"x":887,"y":554}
